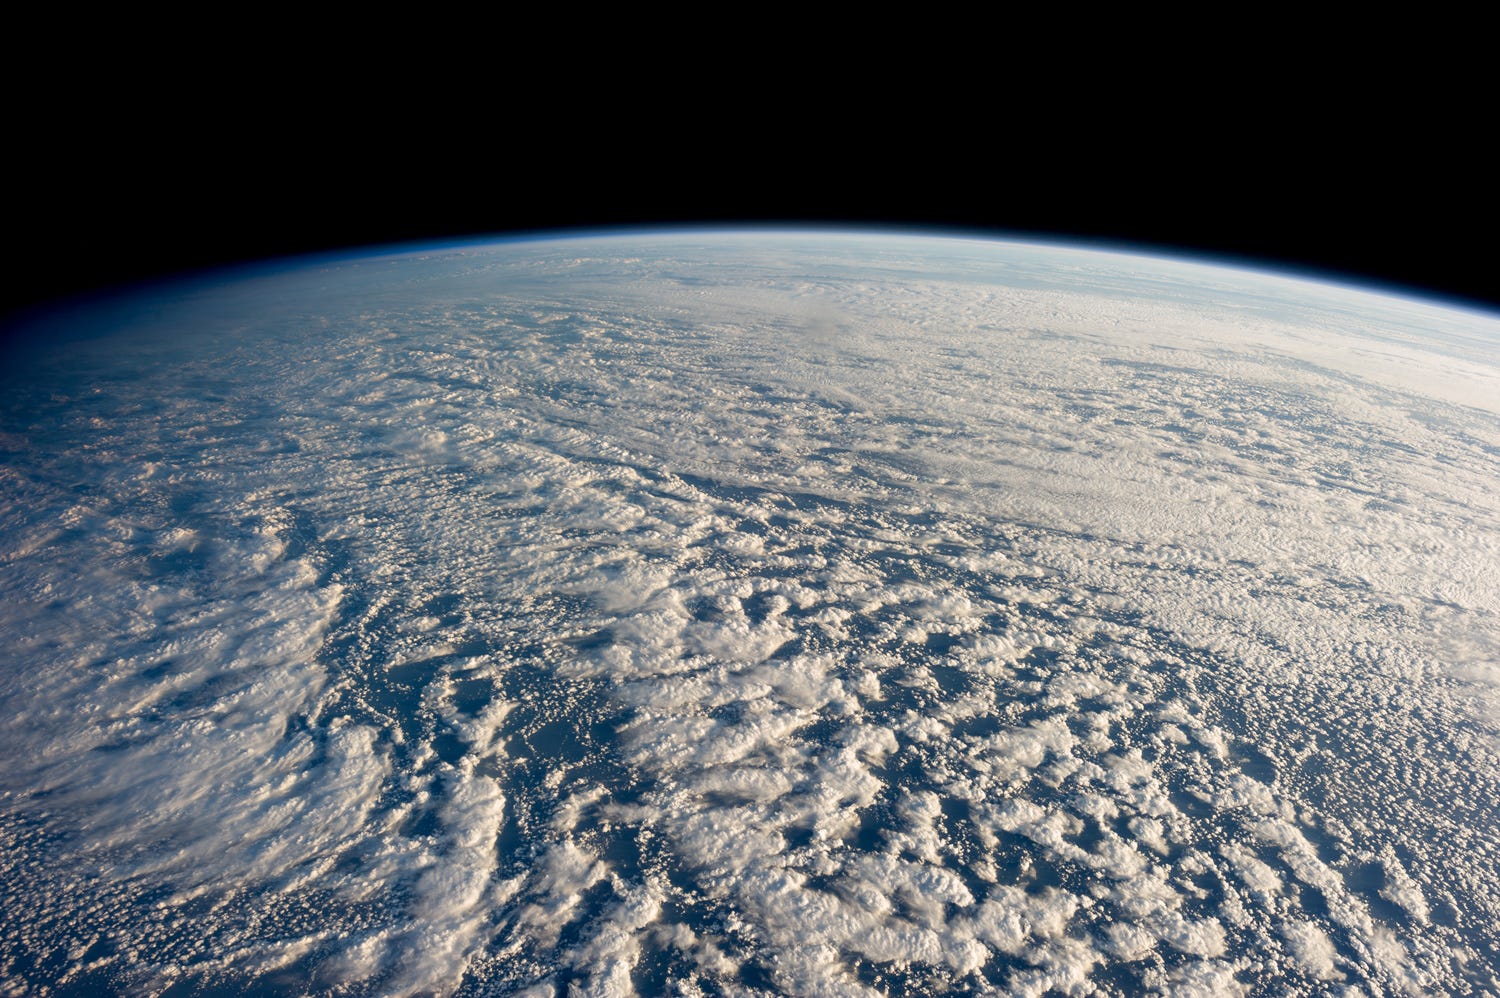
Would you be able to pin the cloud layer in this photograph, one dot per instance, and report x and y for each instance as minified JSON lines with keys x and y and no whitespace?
{"x":759,"y":614}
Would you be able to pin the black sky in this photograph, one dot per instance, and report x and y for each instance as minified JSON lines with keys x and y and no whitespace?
{"x":144,"y":180}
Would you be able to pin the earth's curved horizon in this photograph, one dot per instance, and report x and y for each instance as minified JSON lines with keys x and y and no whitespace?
{"x":751,"y":613}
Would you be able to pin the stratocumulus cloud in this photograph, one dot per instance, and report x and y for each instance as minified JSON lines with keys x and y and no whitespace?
{"x":755,"y":614}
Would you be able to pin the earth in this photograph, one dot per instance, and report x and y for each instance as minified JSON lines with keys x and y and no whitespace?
{"x":751,"y":613}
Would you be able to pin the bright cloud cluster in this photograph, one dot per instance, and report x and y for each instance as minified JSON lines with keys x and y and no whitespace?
{"x":756,"y":614}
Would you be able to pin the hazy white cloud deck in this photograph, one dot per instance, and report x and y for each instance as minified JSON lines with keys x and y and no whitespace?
{"x":754,"y":614}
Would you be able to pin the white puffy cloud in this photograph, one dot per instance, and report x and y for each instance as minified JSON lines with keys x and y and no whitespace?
{"x":842,"y":615}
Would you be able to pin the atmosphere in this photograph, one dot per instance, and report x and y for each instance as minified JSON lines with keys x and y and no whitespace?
{"x":267,"y":179}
